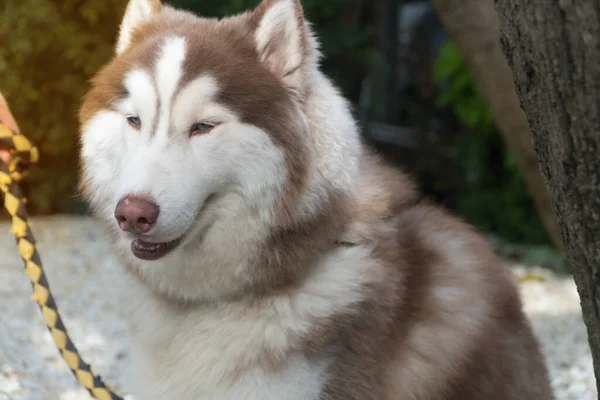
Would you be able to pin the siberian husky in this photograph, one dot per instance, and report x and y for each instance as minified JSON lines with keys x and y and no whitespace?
{"x":271,"y":255}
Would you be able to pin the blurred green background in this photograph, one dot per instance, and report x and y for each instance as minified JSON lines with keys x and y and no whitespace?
{"x":407,"y":81}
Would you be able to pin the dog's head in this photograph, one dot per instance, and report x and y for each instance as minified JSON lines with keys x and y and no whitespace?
{"x":195,"y":135}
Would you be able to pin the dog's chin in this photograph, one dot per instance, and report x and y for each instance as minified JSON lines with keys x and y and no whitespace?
{"x":150,"y":251}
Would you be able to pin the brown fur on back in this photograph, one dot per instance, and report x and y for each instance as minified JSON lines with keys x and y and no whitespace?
{"x":447,"y":324}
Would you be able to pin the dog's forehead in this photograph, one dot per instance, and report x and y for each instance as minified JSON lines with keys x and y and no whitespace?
{"x":186,"y":50}
{"x":159,"y":73}
{"x":175,"y":51}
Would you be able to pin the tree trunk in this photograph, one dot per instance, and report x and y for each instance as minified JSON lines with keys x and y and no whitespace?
{"x":473,"y":26}
{"x":553,"y":48}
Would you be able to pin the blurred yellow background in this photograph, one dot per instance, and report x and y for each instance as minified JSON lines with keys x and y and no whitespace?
{"x":48,"y":52}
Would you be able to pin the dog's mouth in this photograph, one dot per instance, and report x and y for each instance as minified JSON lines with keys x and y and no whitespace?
{"x":153,"y":251}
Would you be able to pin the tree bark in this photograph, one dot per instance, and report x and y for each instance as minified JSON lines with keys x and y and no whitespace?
{"x":474,"y":27}
{"x":553,"y":48}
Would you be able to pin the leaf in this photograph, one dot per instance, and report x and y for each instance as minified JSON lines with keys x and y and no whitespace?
{"x":531,"y":278}
{"x":448,"y":63}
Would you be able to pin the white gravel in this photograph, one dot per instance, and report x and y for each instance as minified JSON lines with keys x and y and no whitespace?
{"x":82,"y":275}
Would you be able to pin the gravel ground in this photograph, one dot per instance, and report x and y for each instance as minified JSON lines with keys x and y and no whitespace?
{"x":82,"y":275}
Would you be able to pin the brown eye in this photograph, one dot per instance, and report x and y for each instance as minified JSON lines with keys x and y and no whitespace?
{"x":134,"y":122}
{"x":201,"y":128}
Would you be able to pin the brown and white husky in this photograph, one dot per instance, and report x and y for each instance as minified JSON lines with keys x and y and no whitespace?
{"x":271,"y":255}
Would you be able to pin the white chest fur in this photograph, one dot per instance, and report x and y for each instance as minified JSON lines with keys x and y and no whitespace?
{"x":242,"y":351}
{"x":297,"y":380}
{"x":217,"y":355}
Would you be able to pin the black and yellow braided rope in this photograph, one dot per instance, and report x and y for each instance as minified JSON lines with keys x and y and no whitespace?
{"x":23,"y":155}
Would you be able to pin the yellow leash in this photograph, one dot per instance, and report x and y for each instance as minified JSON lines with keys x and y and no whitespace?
{"x":25,"y":154}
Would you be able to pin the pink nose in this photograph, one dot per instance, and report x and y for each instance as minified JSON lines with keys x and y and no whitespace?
{"x":136,"y":214}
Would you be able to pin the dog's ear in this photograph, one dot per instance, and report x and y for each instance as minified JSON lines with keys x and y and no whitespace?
{"x":281,"y":40}
{"x":136,"y":13}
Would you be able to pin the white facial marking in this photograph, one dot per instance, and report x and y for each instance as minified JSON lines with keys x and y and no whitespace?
{"x":144,"y":162}
{"x":143,"y":100}
{"x":200,"y":91}
{"x":168,"y":74}
{"x":101,"y":153}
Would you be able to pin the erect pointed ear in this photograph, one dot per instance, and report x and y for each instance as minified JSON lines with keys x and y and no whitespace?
{"x":281,"y":40}
{"x":136,"y":13}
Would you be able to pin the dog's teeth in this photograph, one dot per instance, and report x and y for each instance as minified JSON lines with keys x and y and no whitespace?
{"x":147,"y":247}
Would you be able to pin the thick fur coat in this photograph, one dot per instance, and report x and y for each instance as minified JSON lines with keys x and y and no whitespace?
{"x":271,"y":254}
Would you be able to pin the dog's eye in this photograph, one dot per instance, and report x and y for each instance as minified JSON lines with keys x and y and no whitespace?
{"x":134,"y":122}
{"x":201,"y":128}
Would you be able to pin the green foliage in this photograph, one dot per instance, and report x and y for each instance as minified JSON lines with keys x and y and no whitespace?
{"x":48,"y":51}
{"x":461,"y":92}
{"x":492,"y":194}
